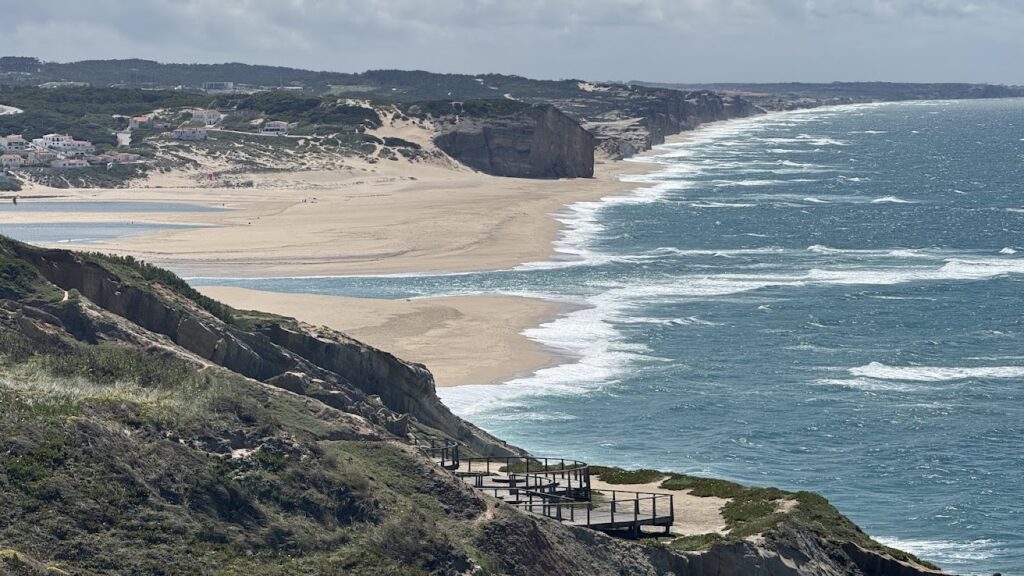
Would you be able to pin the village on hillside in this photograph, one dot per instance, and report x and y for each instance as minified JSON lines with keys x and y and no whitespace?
{"x":60,"y":152}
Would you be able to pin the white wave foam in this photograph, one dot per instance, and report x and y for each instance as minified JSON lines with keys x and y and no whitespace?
{"x":1008,"y":251}
{"x":879,"y":371}
{"x":693,"y":286}
{"x":792,"y":151}
{"x":891,"y":200}
{"x":814,"y":200}
{"x":598,"y":354}
{"x":688,"y":321}
{"x":895,"y":253}
{"x":944,"y":551}
{"x":869,"y":385}
{"x":720,"y":205}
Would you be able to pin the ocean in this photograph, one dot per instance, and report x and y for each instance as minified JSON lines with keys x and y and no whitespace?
{"x":826,"y":300}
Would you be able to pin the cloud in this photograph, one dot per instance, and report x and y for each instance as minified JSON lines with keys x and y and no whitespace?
{"x":679,"y":40}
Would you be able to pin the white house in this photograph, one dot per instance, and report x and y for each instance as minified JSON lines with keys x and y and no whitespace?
{"x":64,"y":144}
{"x":137,"y":122}
{"x":13,"y":143}
{"x":191,"y":134}
{"x":208,"y":117}
{"x":276,"y":127}
{"x":11,"y":161}
{"x":69,"y":163}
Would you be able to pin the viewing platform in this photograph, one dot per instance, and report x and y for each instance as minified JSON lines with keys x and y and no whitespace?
{"x":558,"y":488}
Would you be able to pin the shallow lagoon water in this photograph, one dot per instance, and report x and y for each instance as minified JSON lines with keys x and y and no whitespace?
{"x":82,"y":232}
{"x":827,"y":300}
{"x":32,"y":205}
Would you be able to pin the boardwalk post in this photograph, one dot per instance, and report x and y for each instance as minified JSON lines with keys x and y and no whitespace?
{"x":671,"y":513}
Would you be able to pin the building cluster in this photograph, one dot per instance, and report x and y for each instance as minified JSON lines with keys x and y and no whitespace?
{"x":55,"y":151}
{"x":63,"y":151}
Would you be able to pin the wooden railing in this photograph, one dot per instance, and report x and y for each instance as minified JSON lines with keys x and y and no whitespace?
{"x":560,"y":489}
{"x":624,"y":510}
{"x":446,"y":454}
{"x":573,"y":476}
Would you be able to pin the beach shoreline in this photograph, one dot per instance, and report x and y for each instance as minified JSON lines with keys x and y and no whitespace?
{"x":396,"y":219}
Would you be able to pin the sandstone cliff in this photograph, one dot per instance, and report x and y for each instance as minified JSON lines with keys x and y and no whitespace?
{"x":534,"y":142}
{"x":557,"y":137}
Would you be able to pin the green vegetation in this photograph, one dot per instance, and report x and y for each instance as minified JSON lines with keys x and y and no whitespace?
{"x":703,"y":487}
{"x":399,"y":143}
{"x":697,"y":542}
{"x":754,"y":510}
{"x":126,"y":455}
{"x":8,"y":184}
{"x":19,"y":280}
{"x":117,"y":176}
{"x":92,"y":114}
{"x":107,"y":475}
{"x":478,"y":108}
{"x":613,"y":475}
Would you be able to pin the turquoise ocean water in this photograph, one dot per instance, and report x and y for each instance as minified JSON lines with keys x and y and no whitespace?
{"x":830,"y":300}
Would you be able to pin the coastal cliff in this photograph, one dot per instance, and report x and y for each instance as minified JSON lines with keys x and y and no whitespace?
{"x":147,"y":429}
{"x":558,"y":140}
{"x":653,"y":114}
{"x":533,"y":142}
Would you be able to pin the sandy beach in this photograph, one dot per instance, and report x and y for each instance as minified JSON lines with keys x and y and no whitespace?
{"x":462,"y":340}
{"x":365,"y":219}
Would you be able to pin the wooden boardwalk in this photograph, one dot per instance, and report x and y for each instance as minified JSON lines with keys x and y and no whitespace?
{"x":558,"y":488}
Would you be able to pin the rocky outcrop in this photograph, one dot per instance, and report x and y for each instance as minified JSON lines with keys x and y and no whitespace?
{"x":536,"y":142}
{"x":535,"y":546}
{"x":789,"y":550}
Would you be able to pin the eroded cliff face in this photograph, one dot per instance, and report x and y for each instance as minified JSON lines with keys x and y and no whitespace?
{"x":654,"y":114}
{"x":537,"y":142}
{"x":339,"y":371}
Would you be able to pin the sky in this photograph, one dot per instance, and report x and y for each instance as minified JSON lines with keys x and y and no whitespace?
{"x":653,"y":40}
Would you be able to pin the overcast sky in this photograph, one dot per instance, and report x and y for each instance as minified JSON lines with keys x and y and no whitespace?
{"x":658,"y":40}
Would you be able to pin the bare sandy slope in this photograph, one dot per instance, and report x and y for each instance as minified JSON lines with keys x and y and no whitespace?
{"x":462,"y":340}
